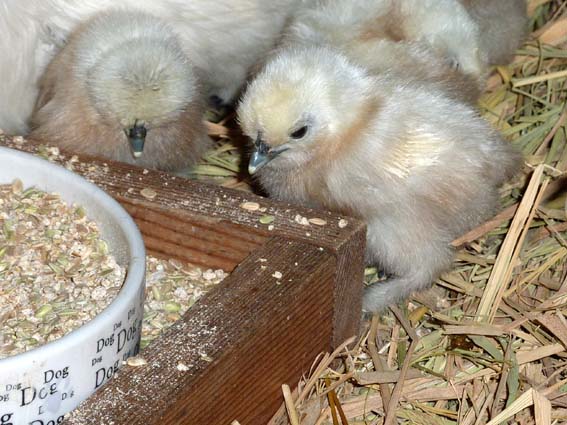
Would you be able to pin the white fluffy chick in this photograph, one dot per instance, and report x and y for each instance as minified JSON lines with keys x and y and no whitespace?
{"x":363,"y":30}
{"x":416,"y":62}
{"x":123,"y":88}
{"x":503,"y":27}
{"x":222,"y":38}
{"x":419,"y":167}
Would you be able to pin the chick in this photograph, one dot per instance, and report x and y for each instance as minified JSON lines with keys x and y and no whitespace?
{"x":375,"y":32}
{"x":503,"y":27}
{"x":222,"y":38}
{"x":418,"y":166}
{"x":122,"y":88}
{"x":416,"y":62}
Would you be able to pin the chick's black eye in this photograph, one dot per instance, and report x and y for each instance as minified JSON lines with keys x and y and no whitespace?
{"x":298,"y":134}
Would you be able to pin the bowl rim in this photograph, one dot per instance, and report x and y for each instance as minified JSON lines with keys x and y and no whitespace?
{"x":135,"y":272}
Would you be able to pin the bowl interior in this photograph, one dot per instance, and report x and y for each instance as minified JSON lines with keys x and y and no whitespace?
{"x":73,"y":189}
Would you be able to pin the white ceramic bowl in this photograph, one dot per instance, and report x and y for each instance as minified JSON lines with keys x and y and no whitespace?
{"x":38,"y":387}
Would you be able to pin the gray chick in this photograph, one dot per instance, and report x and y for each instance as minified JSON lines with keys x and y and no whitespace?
{"x":503,"y":27}
{"x":122,"y":88}
{"x":420,"y":167}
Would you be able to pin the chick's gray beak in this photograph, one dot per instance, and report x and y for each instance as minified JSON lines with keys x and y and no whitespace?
{"x":137,"y":139}
{"x":263,"y":154}
{"x":259,"y":157}
{"x":257,"y":161}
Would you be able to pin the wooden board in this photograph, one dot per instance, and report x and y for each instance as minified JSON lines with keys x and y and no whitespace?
{"x":254,"y":332}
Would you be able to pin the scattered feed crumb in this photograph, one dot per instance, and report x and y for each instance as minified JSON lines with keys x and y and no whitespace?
{"x":209,"y":275}
{"x":267,"y":219}
{"x":299,"y":219}
{"x":182,"y":367}
{"x":343,"y":223}
{"x":56,"y":273}
{"x":145,"y":171}
{"x":277,"y":275}
{"x":250,"y":206}
{"x":136,"y":361}
{"x":53,"y":150}
{"x":206,"y":357}
{"x":148,"y":193}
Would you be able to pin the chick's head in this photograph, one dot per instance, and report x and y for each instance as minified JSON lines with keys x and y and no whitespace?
{"x":464,"y":54}
{"x":298,"y":105}
{"x":137,"y":76}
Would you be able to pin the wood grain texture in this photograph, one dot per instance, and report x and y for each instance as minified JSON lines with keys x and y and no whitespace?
{"x":258,"y":330}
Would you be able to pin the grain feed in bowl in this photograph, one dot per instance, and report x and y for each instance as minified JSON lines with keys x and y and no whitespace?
{"x":56,"y":272}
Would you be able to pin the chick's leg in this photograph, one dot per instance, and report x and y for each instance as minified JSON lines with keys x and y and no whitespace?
{"x":382,"y":294}
{"x":414,"y":260}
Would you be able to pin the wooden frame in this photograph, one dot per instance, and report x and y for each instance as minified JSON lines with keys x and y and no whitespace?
{"x":253,"y":332}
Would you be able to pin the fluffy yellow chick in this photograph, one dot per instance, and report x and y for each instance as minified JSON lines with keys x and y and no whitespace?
{"x":418,"y":166}
{"x":122,"y":88}
{"x":503,"y":27}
